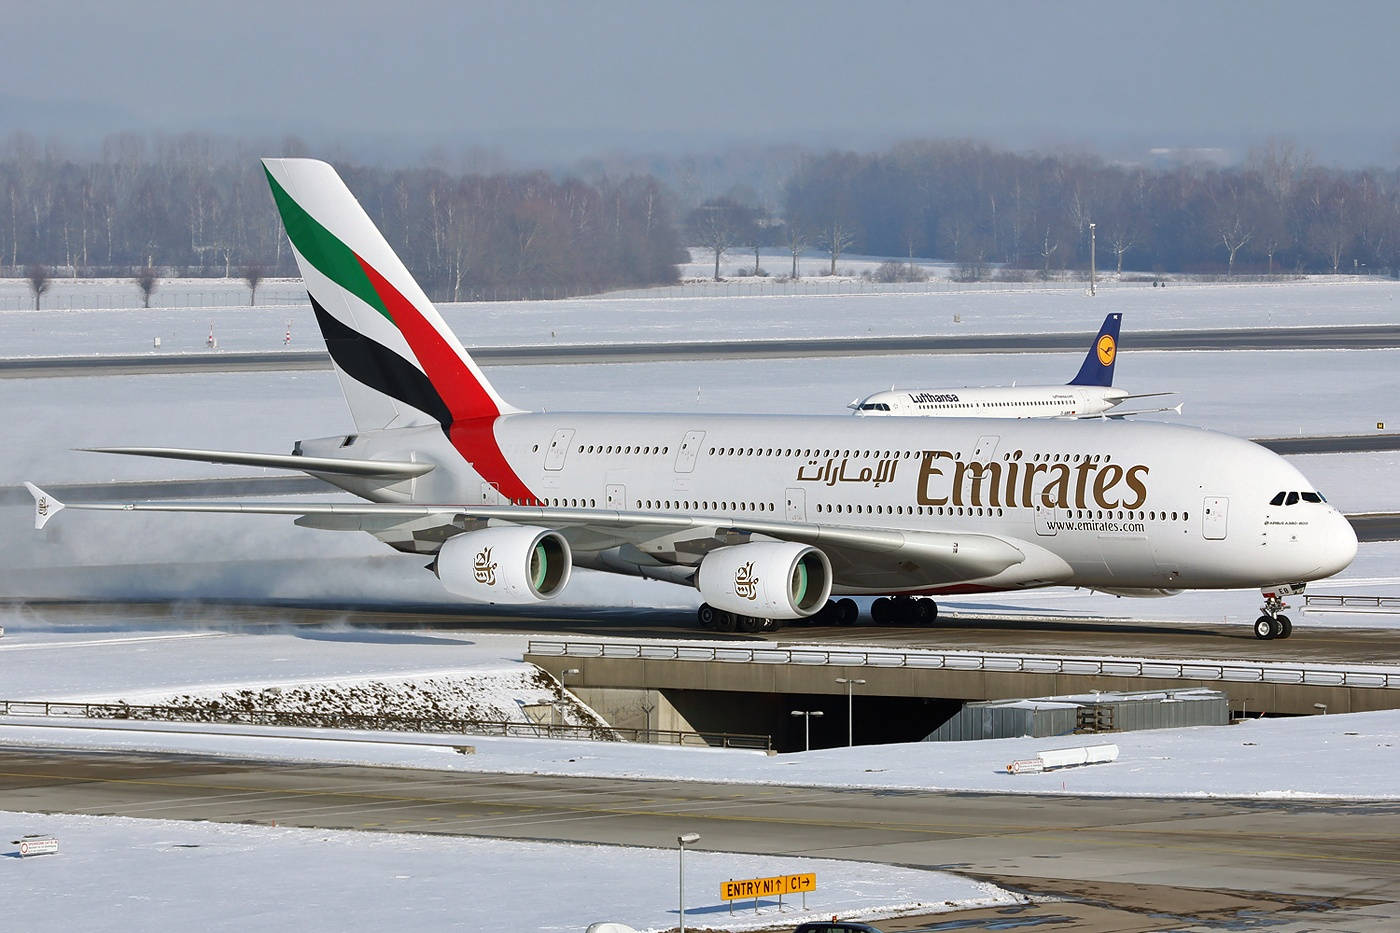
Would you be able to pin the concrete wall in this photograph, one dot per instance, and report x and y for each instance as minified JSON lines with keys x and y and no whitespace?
{"x":788,"y":679}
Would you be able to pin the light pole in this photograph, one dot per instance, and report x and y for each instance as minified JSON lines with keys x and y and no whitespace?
{"x":807,"y":715}
{"x":688,"y":839}
{"x":1091,"y":259}
{"x":850,"y":708}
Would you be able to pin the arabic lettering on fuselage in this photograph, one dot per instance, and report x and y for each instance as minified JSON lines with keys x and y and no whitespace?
{"x":840,"y":471}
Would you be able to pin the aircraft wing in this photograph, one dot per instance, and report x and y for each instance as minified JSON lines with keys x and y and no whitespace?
{"x":336,"y":466}
{"x":860,"y":557}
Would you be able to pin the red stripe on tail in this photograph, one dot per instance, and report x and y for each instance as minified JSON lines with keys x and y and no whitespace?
{"x":473,"y":411}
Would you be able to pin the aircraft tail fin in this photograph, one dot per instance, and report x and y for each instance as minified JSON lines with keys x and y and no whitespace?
{"x":1097,"y":369}
{"x":399,"y":363}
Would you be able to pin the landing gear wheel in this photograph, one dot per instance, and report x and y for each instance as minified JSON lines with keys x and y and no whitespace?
{"x":770,"y":625}
{"x":1264,"y":628}
{"x":725,"y":621}
{"x":847,"y":612}
{"x":707,"y":616}
{"x":925,"y":611}
{"x":1283,"y":626}
{"x":880,"y":611}
{"x":903,"y":610}
{"x":749,"y":625}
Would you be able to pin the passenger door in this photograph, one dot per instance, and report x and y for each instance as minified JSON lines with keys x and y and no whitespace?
{"x":1214,"y":517}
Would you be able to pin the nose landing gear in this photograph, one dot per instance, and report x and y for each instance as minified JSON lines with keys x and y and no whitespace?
{"x":1273,"y":623}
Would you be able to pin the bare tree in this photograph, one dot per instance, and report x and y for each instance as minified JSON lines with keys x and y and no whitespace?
{"x":1047,"y":249}
{"x":253,"y":275}
{"x":835,"y":237}
{"x":796,"y":239}
{"x":718,"y":224}
{"x":38,"y":276}
{"x":146,"y":281}
{"x":1233,"y":223}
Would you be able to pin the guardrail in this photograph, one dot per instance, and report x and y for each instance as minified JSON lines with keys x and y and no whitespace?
{"x":264,"y":717}
{"x":1233,"y":672}
{"x":1374,"y":604}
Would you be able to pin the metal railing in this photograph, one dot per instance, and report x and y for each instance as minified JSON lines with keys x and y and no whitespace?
{"x":381,"y":723}
{"x":1225,"y":671}
{"x":1376,"y":604}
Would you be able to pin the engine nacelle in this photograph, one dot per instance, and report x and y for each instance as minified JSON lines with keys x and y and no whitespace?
{"x":768,"y":580}
{"x":508,"y":564}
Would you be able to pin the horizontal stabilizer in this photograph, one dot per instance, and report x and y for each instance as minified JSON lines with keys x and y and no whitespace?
{"x":45,"y":506}
{"x":387,"y":469}
{"x":1118,"y":415}
{"x":1124,"y":398}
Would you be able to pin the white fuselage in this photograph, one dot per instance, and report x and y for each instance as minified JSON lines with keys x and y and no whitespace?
{"x":1116,"y":505}
{"x":1066,"y":401}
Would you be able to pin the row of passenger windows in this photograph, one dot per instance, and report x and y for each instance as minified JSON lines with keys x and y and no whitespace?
{"x":652,"y":450}
{"x":706,"y":505}
{"x":1291,"y":498}
{"x":993,"y":512}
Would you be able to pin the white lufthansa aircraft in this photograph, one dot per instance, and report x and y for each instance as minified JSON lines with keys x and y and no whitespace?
{"x":767,"y":516}
{"x":1090,"y":394}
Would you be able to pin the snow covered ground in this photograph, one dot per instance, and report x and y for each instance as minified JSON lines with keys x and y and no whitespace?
{"x":114,"y":873}
{"x":669,"y":314}
{"x":1349,"y":755}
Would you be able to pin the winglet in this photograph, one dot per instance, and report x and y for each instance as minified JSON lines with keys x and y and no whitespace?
{"x":45,"y":506}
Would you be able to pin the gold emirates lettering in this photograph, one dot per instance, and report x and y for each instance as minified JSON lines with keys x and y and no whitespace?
{"x":1013,"y":483}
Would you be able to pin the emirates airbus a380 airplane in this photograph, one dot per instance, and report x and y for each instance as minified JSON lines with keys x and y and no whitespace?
{"x":767,"y":516}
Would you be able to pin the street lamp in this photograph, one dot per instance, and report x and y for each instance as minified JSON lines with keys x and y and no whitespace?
{"x":688,"y":839}
{"x":850,"y":717}
{"x":807,"y":715}
{"x":1091,"y":259}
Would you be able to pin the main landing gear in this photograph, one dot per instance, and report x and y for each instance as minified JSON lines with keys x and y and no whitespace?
{"x":1273,"y":623}
{"x":835,"y":612}
{"x":904,"y":610}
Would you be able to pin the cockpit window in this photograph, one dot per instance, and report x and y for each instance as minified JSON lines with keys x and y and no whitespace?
{"x":874,"y":406}
{"x":1312,"y":497}
{"x":1278,"y":499}
{"x":1292,"y":499}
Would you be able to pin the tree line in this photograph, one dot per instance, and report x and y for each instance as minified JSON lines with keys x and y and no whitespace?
{"x":199,"y":205}
{"x":1276,"y":213}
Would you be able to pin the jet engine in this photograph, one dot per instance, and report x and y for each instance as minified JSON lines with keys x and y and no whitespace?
{"x":768,"y":580}
{"x":507,"y":564}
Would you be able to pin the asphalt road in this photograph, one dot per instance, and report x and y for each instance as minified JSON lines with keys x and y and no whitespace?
{"x":1140,"y":863}
{"x":1369,"y":337}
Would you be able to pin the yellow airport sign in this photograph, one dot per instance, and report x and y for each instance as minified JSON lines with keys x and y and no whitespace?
{"x":751,"y":888}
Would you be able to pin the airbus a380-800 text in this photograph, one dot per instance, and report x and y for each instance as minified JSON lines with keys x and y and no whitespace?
{"x":767,"y":516}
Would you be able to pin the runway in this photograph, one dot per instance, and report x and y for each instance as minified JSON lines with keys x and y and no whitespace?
{"x":965,"y":630}
{"x":1364,"y":337}
{"x":1123,"y":863}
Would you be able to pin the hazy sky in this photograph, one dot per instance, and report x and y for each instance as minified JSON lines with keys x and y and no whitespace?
{"x":596,"y":75}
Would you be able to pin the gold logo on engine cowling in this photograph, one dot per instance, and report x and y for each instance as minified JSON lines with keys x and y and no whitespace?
{"x":484,"y":568}
{"x":1107,"y":349}
{"x":745,"y":583}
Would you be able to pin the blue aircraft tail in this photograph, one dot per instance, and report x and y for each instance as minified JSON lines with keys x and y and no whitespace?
{"x":1098,"y":362}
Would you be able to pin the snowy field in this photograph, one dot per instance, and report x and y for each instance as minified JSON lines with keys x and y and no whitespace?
{"x":660,"y":316}
{"x":114,"y":873}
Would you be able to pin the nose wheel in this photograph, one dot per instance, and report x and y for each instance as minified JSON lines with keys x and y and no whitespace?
{"x":1273,"y":623}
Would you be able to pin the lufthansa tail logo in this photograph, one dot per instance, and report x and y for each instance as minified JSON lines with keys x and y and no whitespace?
{"x":1107,"y":349}
{"x":484,"y":568}
{"x":745,"y":583}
